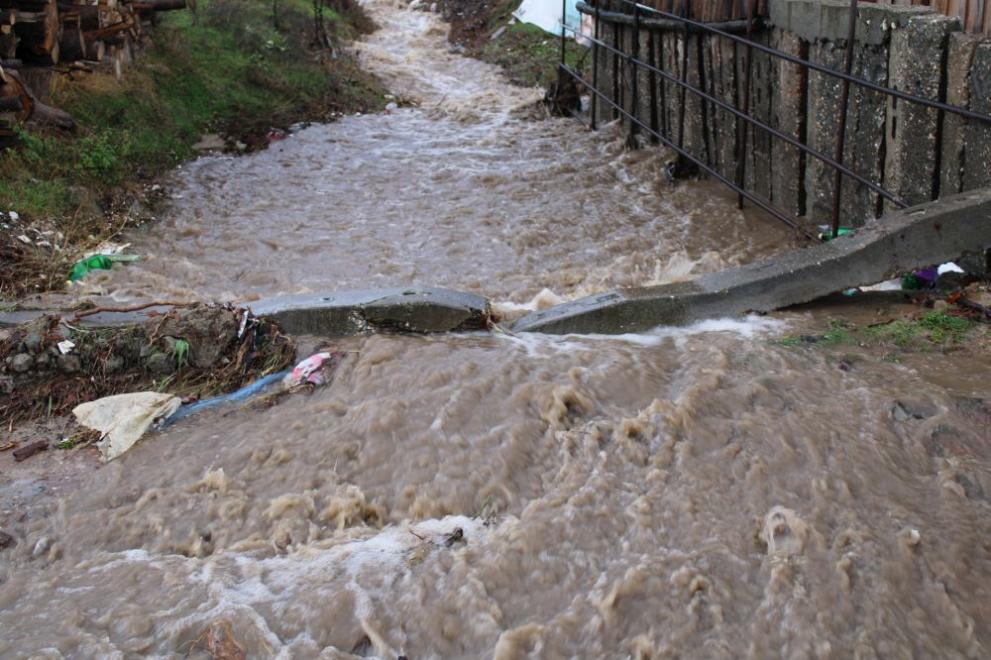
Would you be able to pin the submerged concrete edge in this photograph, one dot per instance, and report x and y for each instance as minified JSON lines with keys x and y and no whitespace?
{"x":409,"y":309}
{"x":413,"y":309}
{"x":912,"y":238}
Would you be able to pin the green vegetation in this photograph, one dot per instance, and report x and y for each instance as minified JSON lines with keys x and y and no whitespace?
{"x":935,"y":327}
{"x":529,"y":55}
{"x":181,"y":353}
{"x":933,"y":330}
{"x":226,"y":69}
{"x":838,"y":333}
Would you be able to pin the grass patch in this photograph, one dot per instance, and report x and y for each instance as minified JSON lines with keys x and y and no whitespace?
{"x":933,"y":330}
{"x":838,"y":333}
{"x":529,"y":55}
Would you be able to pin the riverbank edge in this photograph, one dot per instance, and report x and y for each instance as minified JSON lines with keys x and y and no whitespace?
{"x":233,"y":70}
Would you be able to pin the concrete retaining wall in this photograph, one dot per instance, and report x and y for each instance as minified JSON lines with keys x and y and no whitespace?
{"x":917,"y":153}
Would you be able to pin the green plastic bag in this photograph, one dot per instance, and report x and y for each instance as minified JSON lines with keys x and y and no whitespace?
{"x":83,"y":266}
{"x":826,"y":234}
{"x":98,"y":262}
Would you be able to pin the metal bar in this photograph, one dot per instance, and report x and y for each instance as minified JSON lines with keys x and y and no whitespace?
{"x":652,"y":79}
{"x":844,"y":106}
{"x":595,"y":68}
{"x":708,"y":170}
{"x":912,"y":98}
{"x":634,"y":78}
{"x":564,"y":38}
{"x":778,"y":134}
{"x":665,"y":120}
{"x":742,"y":126}
{"x":684,"y":78}
{"x":615,"y":69}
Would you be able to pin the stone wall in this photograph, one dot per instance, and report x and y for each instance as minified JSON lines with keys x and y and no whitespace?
{"x":914,"y":152}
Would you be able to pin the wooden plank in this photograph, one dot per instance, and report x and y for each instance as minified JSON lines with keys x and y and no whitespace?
{"x":970,"y":19}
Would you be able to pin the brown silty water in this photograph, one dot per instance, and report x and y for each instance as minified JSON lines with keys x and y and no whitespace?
{"x":464,"y":191}
{"x":695,"y":492}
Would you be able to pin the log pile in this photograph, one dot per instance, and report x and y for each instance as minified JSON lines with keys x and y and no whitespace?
{"x":65,"y":35}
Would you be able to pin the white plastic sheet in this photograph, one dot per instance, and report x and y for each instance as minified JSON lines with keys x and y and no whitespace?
{"x":546,"y":14}
{"x":124,"y":418}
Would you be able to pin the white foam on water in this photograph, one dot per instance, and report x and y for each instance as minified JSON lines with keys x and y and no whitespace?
{"x":750,"y":327}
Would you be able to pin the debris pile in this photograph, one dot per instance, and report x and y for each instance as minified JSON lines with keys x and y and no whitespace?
{"x":27,"y":247}
{"x":68,"y":34}
{"x":51,"y":365}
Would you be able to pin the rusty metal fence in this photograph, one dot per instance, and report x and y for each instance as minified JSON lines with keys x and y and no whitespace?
{"x":638,"y":17}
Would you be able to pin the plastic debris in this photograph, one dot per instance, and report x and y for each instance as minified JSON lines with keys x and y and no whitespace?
{"x":243,"y":394}
{"x":98,"y":262}
{"x":65,"y":346}
{"x":123,"y":418}
{"x":887,"y":285}
{"x":920,"y":279}
{"x":313,"y":370}
{"x":949,"y":267}
{"x":84,"y":266}
{"x":107,"y":249}
{"x":826,"y":232}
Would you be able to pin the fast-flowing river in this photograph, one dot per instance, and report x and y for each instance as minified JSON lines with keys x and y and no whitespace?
{"x":695,"y":492}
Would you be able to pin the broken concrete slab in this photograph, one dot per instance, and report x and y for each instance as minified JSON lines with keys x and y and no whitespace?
{"x":422,"y":310}
{"x":901,"y":241}
{"x":100,"y":320}
{"x":410,"y":309}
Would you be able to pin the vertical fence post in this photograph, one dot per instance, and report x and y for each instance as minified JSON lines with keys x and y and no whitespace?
{"x":631,"y":66}
{"x":652,"y":82}
{"x":664,"y":88}
{"x":844,"y":104}
{"x":742,"y":127}
{"x":564,"y":36}
{"x":684,"y":76}
{"x":617,"y":99}
{"x":595,"y":69}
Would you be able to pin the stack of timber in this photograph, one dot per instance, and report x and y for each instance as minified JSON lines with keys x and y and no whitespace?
{"x":65,"y":35}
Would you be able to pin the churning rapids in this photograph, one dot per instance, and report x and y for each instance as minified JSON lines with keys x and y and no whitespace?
{"x":696,"y":492}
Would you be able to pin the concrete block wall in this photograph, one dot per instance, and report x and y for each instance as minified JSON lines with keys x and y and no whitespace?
{"x":917,"y":153}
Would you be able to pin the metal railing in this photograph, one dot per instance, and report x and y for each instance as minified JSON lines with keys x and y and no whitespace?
{"x":641,"y":16}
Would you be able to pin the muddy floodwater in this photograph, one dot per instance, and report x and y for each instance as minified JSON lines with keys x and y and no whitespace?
{"x":464,"y":191}
{"x":702,"y":492}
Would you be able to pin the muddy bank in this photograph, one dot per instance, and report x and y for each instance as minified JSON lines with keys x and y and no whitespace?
{"x":231,"y":78}
{"x":486,"y":29}
{"x":50,"y":365}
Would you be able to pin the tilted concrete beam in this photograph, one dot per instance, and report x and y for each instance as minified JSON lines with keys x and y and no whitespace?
{"x":411,"y":309}
{"x":898,"y":242}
